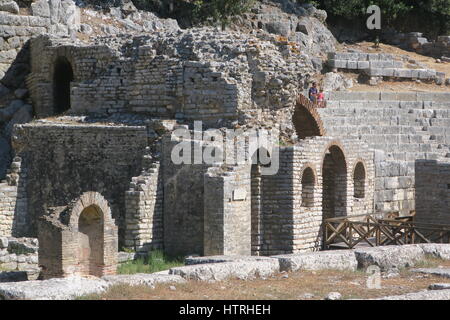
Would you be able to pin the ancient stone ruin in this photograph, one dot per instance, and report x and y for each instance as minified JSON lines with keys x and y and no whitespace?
{"x":93,"y":172}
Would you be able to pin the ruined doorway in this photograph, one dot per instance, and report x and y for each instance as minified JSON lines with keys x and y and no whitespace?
{"x":256,"y":190}
{"x":334,"y":182}
{"x":260,"y":159}
{"x":90,"y":243}
{"x":62,"y":77}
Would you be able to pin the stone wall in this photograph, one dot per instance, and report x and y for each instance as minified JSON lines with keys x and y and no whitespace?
{"x":13,"y":202}
{"x":144,"y":209}
{"x":78,"y":158}
{"x":183,"y":202}
{"x":57,"y":17}
{"x":197,"y":74}
{"x":289,"y":225}
{"x":18,"y":254}
{"x":227,"y":204}
{"x":432,"y":191}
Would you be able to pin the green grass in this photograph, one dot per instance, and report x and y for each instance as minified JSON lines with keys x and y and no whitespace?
{"x":154,"y":262}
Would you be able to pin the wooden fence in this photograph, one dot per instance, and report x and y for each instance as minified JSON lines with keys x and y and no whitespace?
{"x":366,"y":229}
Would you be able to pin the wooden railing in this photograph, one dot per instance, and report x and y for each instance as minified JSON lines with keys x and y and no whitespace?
{"x":351,"y":231}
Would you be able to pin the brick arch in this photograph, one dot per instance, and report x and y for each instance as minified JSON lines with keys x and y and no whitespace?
{"x":306,"y":119}
{"x":86,"y":200}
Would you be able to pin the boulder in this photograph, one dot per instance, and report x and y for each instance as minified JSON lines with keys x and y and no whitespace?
{"x":8,"y":112}
{"x":23,"y":115}
{"x":333,"y":296}
{"x":389,"y":257}
{"x":41,"y":8}
{"x":9,"y":6}
{"x":323,"y":260}
{"x":52,"y":289}
{"x":437,"y":250}
{"x":142,"y":279}
{"x":21,"y":93}
{"x":334,"y":81}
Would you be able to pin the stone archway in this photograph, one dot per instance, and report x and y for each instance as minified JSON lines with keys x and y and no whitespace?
{"x":334,"y":182}
{"x":62,"y":78}
{"x":78,"y":239}
{"x":90,"y":241}
{"x":306,"y":120}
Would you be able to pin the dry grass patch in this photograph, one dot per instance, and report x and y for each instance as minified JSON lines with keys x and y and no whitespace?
{"x":306,"y":285}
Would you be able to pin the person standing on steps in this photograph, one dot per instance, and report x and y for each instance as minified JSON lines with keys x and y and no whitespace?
{"x":312,"y":94}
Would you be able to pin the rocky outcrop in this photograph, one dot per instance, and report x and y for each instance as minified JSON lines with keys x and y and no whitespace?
{"x":299,"y":23}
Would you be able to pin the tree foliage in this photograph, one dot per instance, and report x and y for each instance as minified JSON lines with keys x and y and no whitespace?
{"x":424,"y":15}
{"x":219,"y":11}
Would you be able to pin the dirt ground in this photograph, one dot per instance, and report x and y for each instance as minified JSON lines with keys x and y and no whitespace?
{"x":305,"y":285}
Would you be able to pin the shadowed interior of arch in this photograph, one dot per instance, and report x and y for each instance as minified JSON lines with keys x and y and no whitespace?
{"x":359,"y":181}
{"x":305,"y":124}
{"x":62,"y":77}
{"x":90,"y":228}
{"x":334,"y":172}
{"x":308,"y":182}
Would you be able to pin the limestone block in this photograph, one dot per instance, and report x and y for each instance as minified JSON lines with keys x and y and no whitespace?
{"x":336,"y":260}
{"x":9,"y":6}
{"x":53,"y":289}
{"x":388,"y":72}
{"x":389,"y":257}
{"x":375,"y":72}
{"x":243,"y":270}
{"x":363,"y":64}
{"x":41,"y":8}
{"x":140,"y":279}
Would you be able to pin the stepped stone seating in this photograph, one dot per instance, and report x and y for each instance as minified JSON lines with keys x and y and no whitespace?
{"x":401,"y":128}
{"x":380,"y":65}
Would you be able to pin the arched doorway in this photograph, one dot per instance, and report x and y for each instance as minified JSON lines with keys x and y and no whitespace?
{"x":260,"y":159}
{"x":90,"y":243}
{"x":334,"y":182}
{"x":62,"y":77}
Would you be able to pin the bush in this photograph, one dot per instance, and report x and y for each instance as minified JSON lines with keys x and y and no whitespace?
{"x":154,"y":262}
{"x":429,"y":16}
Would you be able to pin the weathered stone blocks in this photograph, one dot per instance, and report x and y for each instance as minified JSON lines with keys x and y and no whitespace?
{"x":333,"y":260}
